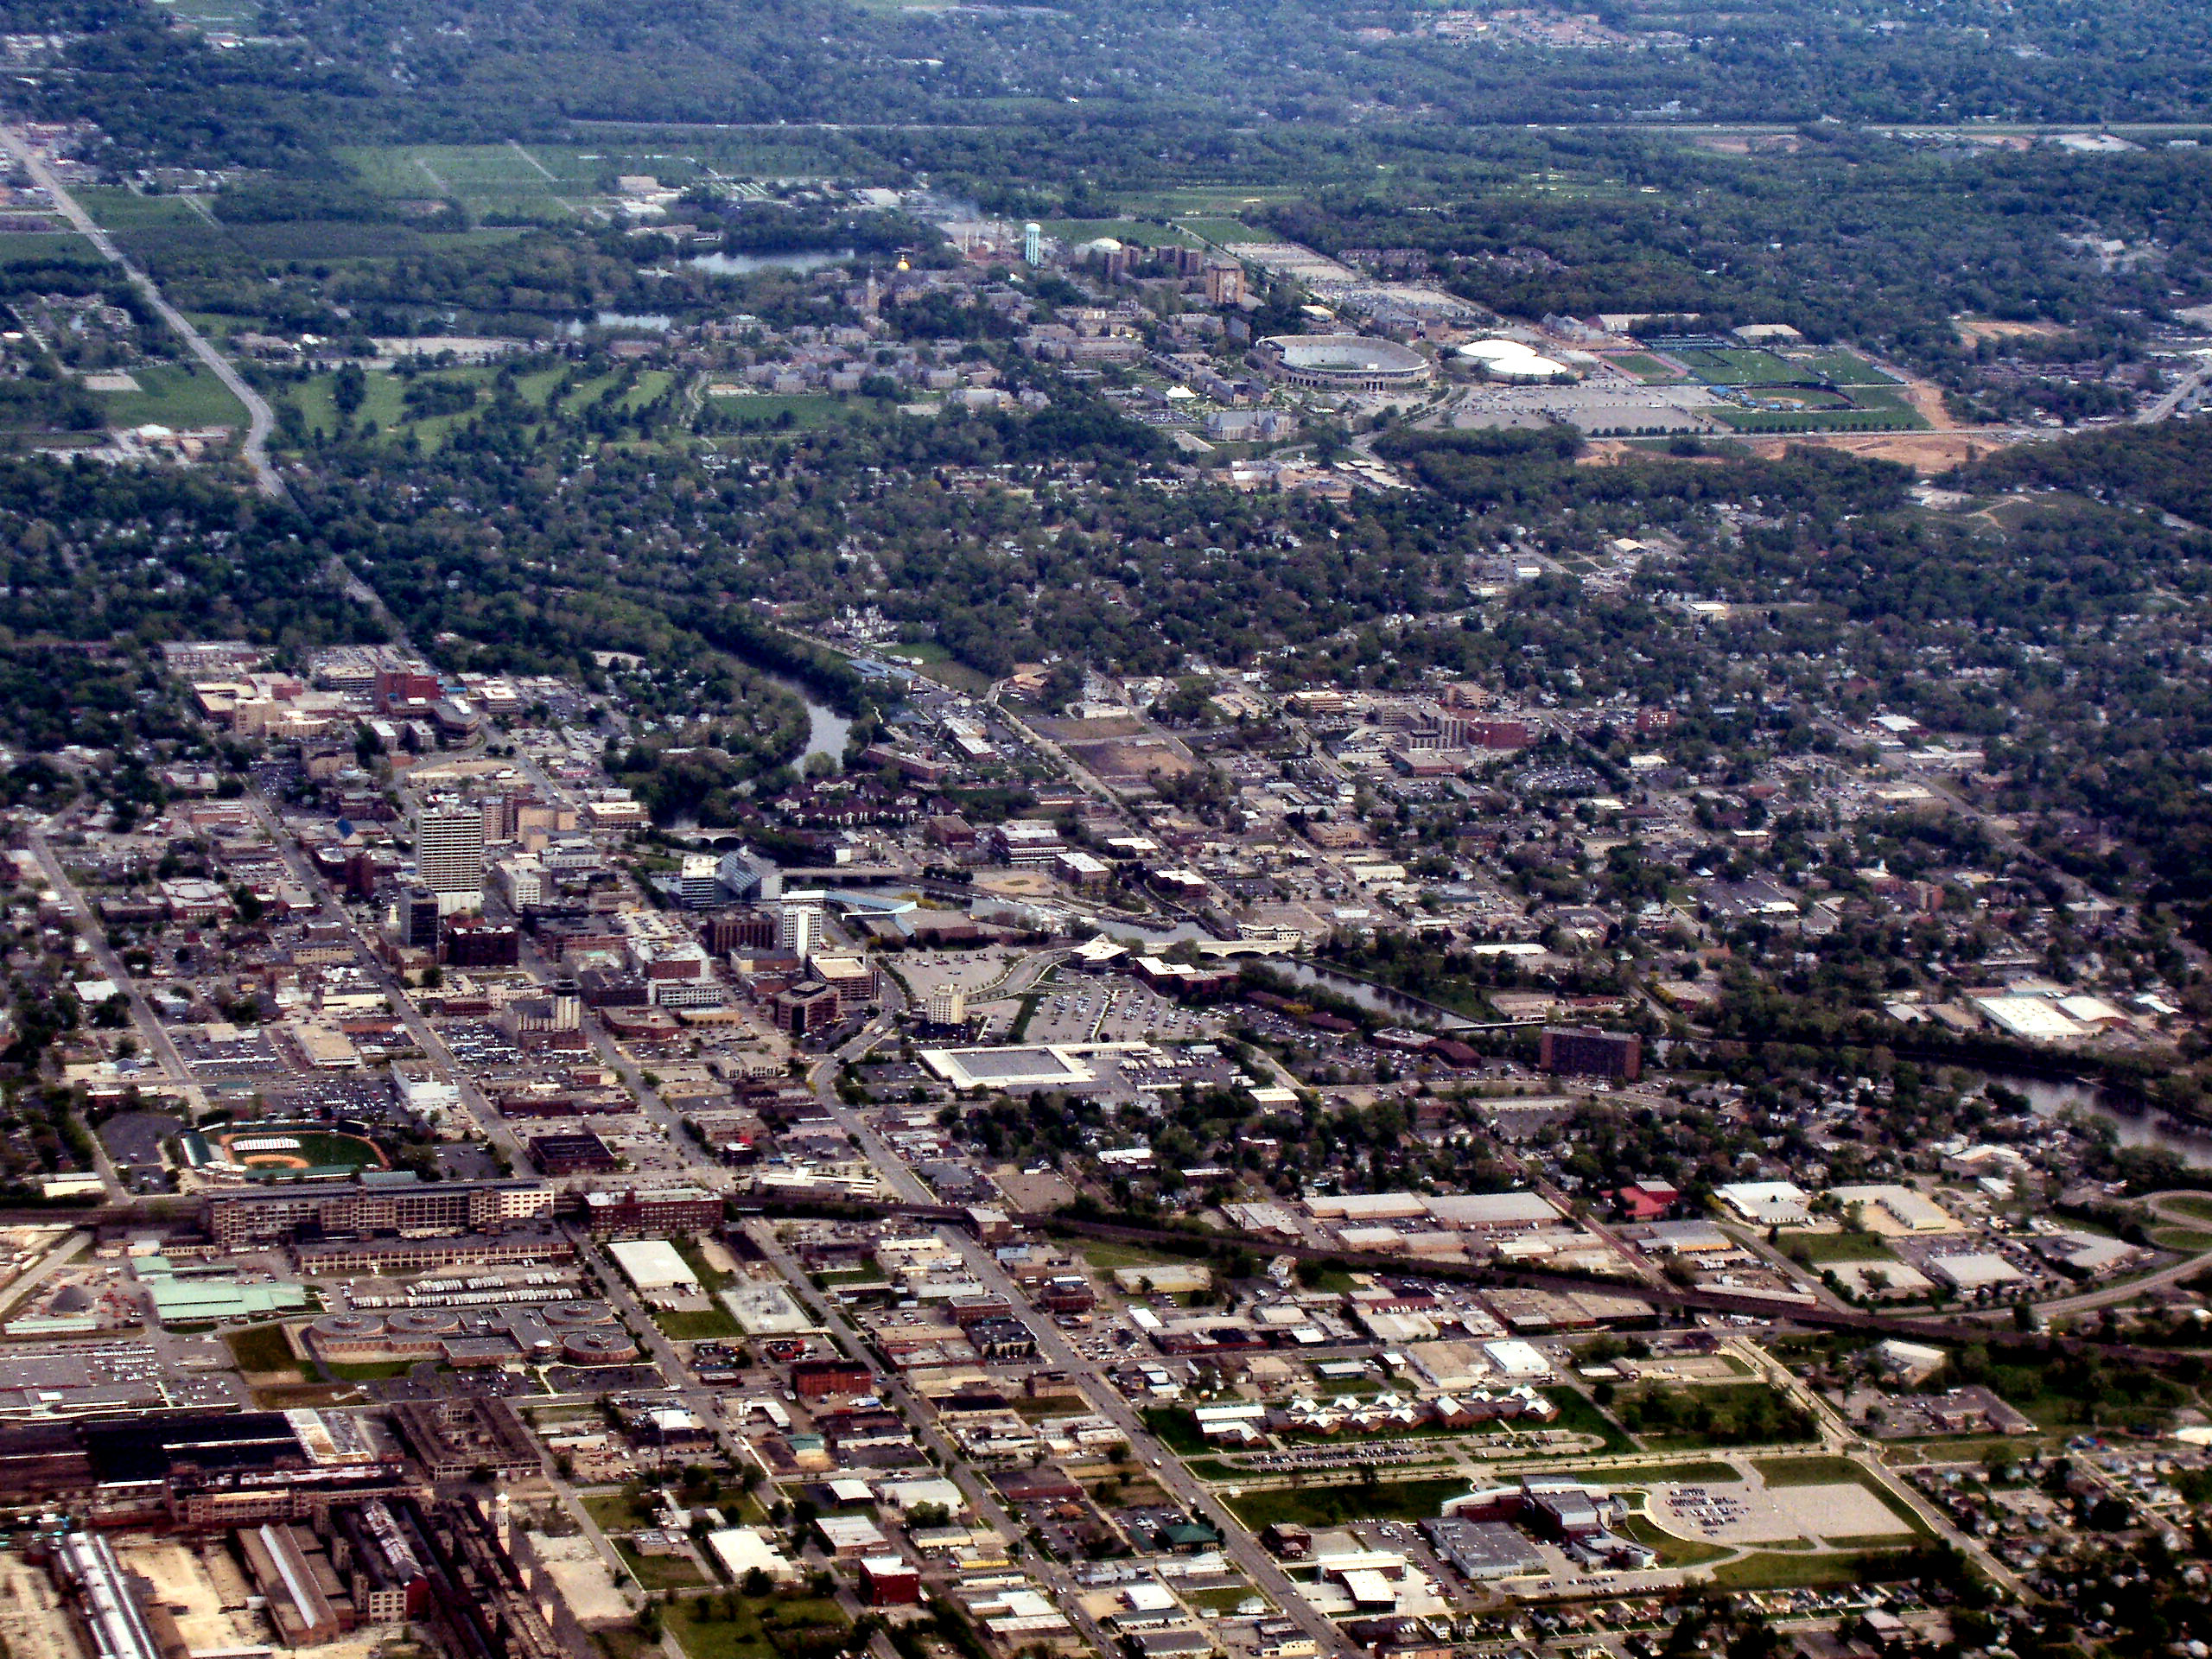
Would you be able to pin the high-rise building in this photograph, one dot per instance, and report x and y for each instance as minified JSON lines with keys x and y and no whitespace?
{"x":450,"y":856}
{"x":799,"y":930}
{"x":1580,"y":1051}
{"x":946,"y":1006}
{"x":1033,"y":244}
{"x":699,"y":883}
{"x":414,"y":918}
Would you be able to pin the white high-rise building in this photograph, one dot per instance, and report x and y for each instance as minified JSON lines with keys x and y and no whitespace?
{"x":799,"y":930}
{"x":449,"y":857}
{"x":946,"y":1006}
{"x":1033,"y":244}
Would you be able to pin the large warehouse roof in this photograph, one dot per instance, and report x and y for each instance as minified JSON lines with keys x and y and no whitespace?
{"x":653,"y":1264}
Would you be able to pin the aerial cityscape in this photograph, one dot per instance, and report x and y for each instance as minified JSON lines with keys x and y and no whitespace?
{"x":965,"y":831}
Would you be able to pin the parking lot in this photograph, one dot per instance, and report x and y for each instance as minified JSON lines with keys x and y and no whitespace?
{"x":1115,"y":1011}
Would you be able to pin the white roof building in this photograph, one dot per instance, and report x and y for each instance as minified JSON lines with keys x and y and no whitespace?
{"x":651,"y":1264}
{"x":1516,"y":1360}
{"x":740,"y":1549}
{"x":1768,"y":1203}
{"x":1974,"y":1270}
{"x":2034,"y":1018}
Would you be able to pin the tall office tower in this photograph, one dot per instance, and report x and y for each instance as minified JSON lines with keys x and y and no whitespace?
{"x":450,"y":856}
{"x":414,"y":918}
{"x":1032,"y":244}
{"x":798,"y":931}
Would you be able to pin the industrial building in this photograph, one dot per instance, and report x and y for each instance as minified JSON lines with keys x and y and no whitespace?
{"x":1582,"y":1051}
{"x":300,"y":1588}
{"x":1482,"y":1550}
{"x":578,"y":1154}
{"x":343,"y":1257}
{"x":658,"y":1210}
{"x":248,"y":1217}
{"x":121,"y":1626}
{"x":455,"y":1438}
{"x":235,"y":1469}
{"x":654,"y":1268}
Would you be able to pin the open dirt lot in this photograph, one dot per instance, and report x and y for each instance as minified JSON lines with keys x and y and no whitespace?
{"x":1975,"y":330}
{"x":1130,"y":757}
{"x":1045,"y":1191}
{"x":1927,"y":453}
{"x":206,"y":1589}
{"x":33,"y":1622}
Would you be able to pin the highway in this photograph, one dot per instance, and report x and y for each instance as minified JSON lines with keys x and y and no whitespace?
{"x":259,"y":421}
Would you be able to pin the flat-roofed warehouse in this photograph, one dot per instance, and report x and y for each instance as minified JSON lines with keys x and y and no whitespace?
{"x":654,"y":1266}
{"x":1483,"y":1212}
{"x":1482,"y":1550}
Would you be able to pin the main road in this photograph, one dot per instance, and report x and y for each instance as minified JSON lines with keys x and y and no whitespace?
{"x":259,"y":420}
{"x":1165,"y":1466}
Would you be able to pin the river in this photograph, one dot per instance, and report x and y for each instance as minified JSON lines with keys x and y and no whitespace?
{"x":826,"y":729}
{"x":2049,"y":1097}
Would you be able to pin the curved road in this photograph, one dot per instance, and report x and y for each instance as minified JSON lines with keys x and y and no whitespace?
{"x":259,"y":421}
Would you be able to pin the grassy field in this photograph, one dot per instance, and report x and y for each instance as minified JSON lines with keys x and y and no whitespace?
{"x":1329,"y":1506}
{"x":40,"y":245}
{"x":661,"y":1572}
{"x":806,"y":411}
{"x":713,"y":1278}
{"x":1847,"y":369}
{"x":1760,"y":421}
{"x":619,"y":1511}
{"x":484,"y":178}
{"x":175,"y":395}
{"x":126,"y":210}
{"x":374,"y":1370}
{"x":1673,"y":1551}
{"x":383,"y":398}
{"x":1809,"y":1472}
{"x":713,"y":1325}
{"x":261,"y":1348}
{"x":1647,"y":369}
{"x":1740,"y":368}
{"x":1765,"y":1570}
{"x":1225,"y":1600}
{"x":1104,"y":1258}
{"x":1223,"y":229}
{"x":2182,"y":1238}
{"x":1689,"y":1472}
{"x":2189,"y":1204}
{"x":1835,"y":1247}
{"x":759,"y":1631}
{"x":1580,"y":1414}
